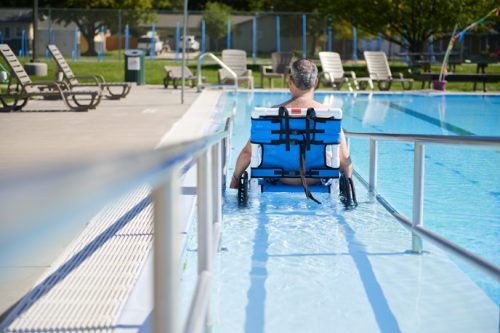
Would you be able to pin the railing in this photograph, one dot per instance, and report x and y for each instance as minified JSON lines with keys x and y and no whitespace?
{"x":222,"y":64}
{"x":88,"y":187}
{"x":416,"y":225}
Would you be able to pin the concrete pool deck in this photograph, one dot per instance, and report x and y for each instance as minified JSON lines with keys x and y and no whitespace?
{"x":46,"y":132}
{"x":36,"y":137}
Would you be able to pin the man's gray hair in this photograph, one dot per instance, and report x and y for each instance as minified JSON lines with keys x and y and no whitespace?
{"x":304,"y":74}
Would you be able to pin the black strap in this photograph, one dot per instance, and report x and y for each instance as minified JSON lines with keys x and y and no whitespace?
{"x":303,"y":174}
{"x":283,"y":113}
{"x":310,"y":114}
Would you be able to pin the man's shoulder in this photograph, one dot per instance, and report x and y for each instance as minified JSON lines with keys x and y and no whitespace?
{"x":313,"y":104}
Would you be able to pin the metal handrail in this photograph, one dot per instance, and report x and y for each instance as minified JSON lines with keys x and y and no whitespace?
{"x":161,"y":169}
{"x":416,"y":226}
{"x":425,"y":138}
{"x":221,"y":63}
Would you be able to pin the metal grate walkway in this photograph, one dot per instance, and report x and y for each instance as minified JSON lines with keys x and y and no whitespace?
{"x":87,"y":287}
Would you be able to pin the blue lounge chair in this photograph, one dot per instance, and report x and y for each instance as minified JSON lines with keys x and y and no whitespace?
{"x":295,"y":143}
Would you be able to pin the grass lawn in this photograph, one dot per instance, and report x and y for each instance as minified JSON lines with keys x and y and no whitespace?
{"x":113,"y":70}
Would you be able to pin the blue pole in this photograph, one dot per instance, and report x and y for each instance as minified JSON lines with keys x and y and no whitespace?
{"x":152,"y":51}
{"x":304,"y":41}
{"x":354,"y":45}
{"x":1,"y":38}
{"x":202,"y":36}
{"x":47,"y":54}
{"x":254,"y":39}
{"x":229,"y":32}
{"x":177,"y":40}
{"x":23,"y":50}
{"x":75,"y":45}
{"x":78,"y":46}
{"x":405,"y":50}
{"x":100,"y":53}
{"x":431,"y":49}
{"x":127,"y":32}
{"x":278,"y":35}
{"x":329,"y":39}
{"x":379,"y":42}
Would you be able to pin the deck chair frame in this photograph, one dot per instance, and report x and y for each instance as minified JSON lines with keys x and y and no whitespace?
{"x":174,"y":74}
{"x":379,"y":71}
{"x":333,"y":73}
{"x":237,"y":61}
{"x":20,"y":88}
{"x":279,"y":69}
{"x":111,"y":90}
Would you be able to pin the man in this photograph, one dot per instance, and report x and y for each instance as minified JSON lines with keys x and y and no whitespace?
{"x":302,"y":82}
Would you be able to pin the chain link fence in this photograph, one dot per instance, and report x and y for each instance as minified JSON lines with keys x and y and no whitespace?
{"x":103,"y":35}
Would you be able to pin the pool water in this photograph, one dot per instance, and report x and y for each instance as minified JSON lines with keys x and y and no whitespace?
{"x":290,"y":265}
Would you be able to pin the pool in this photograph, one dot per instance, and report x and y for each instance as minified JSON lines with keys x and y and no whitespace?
{"x":289,"y":265}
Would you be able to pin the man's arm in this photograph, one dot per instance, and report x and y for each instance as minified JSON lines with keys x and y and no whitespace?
{"x":345,"y":159}
{"x":241,"y":164}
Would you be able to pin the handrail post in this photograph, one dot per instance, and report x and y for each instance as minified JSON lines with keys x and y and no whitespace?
{"x":418,"y":193}
{"x":166,"y":197}
{"x":217,"y":182}
{"x":205,"y":221}
{"x":372,"y":185}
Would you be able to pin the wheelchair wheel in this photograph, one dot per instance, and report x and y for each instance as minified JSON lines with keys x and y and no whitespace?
{"x":347,"y":192}
{"x":243,"y":188}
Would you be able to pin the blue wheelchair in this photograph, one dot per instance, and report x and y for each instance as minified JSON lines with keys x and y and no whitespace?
{"x":296,"y":143}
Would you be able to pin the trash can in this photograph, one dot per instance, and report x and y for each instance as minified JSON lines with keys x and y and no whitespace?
{"x":134,"y":66}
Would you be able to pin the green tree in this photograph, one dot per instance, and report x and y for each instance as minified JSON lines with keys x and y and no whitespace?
{"x":409,"y":22}
{"x":89,"y":19}
{"x":215,"y":16}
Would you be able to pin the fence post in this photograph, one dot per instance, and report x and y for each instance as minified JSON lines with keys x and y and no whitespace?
{"x":75,"y":45}
{"x":177,"y":40}
{"x":278,"y":34}
{"x":254,"y":39}
{"x":127,"y":32}
{"x":152,"y":51}
{"x":205,"y":220}
{"x":49,"y":30}
{"x":100,"y":53}
{"x":166,"y":199}
{"x":431,"y":49}
{"x":23,"y":50}
{"x":202,"y":36}
{"x":418,"y":193}
{"x":119,"y":33}
{"x":354,"y":44}
{"x":329,"y":39}
{"x":372,"y":185}
{"x":304,"y":40}
{"x":229,"y":32}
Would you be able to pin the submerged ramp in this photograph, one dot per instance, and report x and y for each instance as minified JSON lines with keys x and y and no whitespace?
{"x":293,"y":266}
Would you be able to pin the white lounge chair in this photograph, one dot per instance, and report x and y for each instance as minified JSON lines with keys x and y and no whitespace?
{"x":379,"y":71}
{"x":237,"y":61}
{"x":333,"y":72}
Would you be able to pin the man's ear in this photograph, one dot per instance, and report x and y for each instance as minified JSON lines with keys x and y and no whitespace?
{"x":316,"y":83}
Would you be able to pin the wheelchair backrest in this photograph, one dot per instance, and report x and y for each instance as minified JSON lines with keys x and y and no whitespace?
{"x":280,"y":137}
